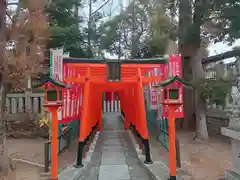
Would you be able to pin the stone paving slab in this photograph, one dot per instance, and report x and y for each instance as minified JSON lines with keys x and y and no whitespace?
{"x":113,"y":160}
{"x":114,"y":172}
{"x":117,"y":143}
{"x":108,"y":145}
{"x":113,"y":149}
{"x":106,"y":154}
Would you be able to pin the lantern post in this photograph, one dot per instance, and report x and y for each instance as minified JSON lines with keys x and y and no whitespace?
{"x":172,"y":105}
{"x":53,"y":101}
{"x":172,"y":101}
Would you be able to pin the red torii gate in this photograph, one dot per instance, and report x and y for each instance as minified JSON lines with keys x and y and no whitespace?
{"x":127,"y":77}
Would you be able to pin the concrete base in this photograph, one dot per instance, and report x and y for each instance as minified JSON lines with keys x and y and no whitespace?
{"x":230,"y":175}
{"x":233,"y":174}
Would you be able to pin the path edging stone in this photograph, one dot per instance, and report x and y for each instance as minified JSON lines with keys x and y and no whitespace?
{"x":141,"y":158}
{"x":71,"y":173}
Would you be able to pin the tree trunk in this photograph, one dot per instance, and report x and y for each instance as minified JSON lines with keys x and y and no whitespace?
{"x":189,"y":105}
{"x":201,"y":120}
{"x":185,"y":21}
{"x":3,"y":148}
{"x":199,"y":51}
{"x":200,"y":105}
{"x":190,"y":46}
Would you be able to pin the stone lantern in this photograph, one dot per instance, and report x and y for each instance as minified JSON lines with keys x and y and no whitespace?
{"x":233,"y":132}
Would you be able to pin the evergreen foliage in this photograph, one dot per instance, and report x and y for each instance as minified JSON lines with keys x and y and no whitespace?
{"x":215,"y":91}
{"x":65,"y":27}
{"x":152,"y":30}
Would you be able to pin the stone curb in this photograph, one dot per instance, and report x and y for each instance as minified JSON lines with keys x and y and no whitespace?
{"x":139,"y":153}
{"x":141,"y":158}
{"x":71,"y":173}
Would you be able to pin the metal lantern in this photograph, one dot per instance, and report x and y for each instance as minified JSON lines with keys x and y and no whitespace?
{"x":170,"y":91}
{"x":53,"y":96}
{"x":53,"y":92}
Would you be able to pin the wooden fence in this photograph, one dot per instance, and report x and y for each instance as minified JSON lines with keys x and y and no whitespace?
{"x":111,"y":106}
{"x":24,"y":102}
{"x":32,"y":102}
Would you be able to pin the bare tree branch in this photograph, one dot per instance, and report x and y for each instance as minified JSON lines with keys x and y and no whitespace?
{"x":13,"y":3}
{"x":220,"y":57}
{"x":100,"y":7}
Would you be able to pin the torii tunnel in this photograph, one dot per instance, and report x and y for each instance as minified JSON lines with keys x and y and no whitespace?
{"x":127,"y":77}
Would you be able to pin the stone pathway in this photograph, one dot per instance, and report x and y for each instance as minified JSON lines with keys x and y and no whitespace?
{"x":114,"y":156}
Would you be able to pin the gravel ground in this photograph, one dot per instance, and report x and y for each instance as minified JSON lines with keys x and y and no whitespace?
{"x":205,"y":161}
{"x":200,"y":160}
{"x":33,"y":150}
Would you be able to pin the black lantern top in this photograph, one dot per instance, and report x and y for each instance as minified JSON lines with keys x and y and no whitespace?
{"x":171,"y":80}
{"x":171,"y":94}
{"x":51,"y":82}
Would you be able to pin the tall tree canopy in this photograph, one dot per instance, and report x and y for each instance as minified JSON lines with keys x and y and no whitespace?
{"x":65,"y":27}
{"x":147,"y":33}
{"x":201,"y":22}
{"x":154,"y":24}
